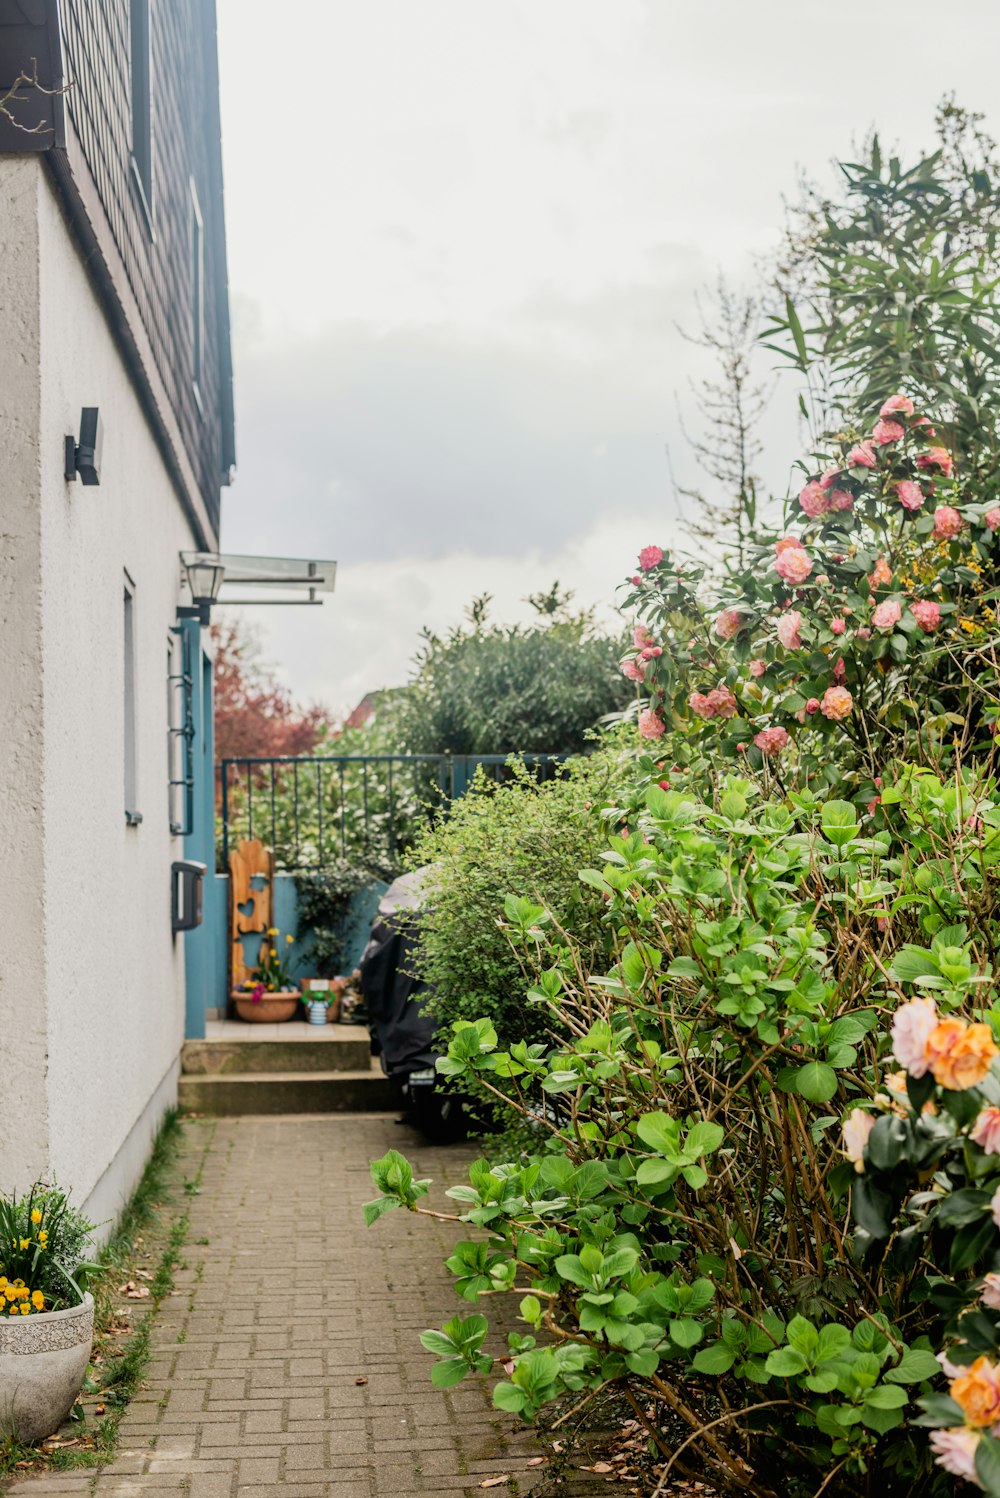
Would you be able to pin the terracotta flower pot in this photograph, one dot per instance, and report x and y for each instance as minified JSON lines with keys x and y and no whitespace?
{"x":43,"y":1360}
{"x":270,"y":1008}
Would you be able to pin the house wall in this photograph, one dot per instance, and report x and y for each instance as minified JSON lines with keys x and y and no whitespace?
{"x":23,"y":986}
{"x":108,"y":973}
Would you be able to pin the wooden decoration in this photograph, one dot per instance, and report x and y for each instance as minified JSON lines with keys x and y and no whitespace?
{"x":250,"y":908}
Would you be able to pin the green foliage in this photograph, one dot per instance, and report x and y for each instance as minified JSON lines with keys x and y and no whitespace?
{"x":526,"y":840}
{"x":324,"y":899}
{"x":493,"y":689}
{"x":892,"y":287}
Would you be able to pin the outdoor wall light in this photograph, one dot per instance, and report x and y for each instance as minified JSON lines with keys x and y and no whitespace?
{"x":205,"y":572}
{"x":84,"y":457}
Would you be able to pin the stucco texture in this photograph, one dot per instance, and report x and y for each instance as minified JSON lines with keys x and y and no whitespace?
{"x":100,"y":971}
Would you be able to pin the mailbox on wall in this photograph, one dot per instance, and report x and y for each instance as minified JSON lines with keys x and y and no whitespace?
{"x":185,"y":895}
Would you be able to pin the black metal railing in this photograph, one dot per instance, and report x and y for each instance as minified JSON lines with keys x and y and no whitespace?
{"x":315,"y":810}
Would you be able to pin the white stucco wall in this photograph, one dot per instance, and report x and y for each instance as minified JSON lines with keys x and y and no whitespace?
{"x":114,"y":974}
{"x":23,"y":987}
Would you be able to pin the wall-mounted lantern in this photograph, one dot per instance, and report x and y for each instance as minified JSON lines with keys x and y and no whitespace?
{"x":84,"y":457}
{"x":204,"y":572}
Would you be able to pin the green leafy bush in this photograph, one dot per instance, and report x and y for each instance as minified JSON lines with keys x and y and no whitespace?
{"x":523,"y":840}
{"x":519,"y":689}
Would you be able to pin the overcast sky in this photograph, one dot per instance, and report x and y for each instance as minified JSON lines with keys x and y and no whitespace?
{"x":461,"y":235}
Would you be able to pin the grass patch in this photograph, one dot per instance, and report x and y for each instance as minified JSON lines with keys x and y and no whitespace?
{"x":144,"y":1250}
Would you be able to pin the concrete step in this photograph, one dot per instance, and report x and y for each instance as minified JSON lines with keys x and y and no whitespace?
{"x":337,"y":1048}
{"x":227,"y":1095}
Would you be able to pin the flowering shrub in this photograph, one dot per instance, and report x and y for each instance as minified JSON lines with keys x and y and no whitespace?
{"x":685,"y":1231}
{"x":849,"y":634}
{"x":42,"y":1252}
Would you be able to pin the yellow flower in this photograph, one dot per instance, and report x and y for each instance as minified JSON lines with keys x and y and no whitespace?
{"x":12,"y":1310}
{"x":289,"y":939}
{"x":37,"y":1299}
{"x":272,"y":930}
{"x":25,"y":1242}
{"x":9,"y":1292}
{"x":274,"y":951}
{"x":26,"y":1309}
{"x":3,"y":1282}
{"x":36,"y":1217}
{"x":43,"y":1237}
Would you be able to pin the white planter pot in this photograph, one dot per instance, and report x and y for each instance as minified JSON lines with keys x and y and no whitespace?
{"x":317,"y":1011}
{"x":43,"y":1361}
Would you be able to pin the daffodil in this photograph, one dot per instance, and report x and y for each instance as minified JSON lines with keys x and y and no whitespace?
{"x":25,"y":1242}
{"x":43,"y":1237}
{"x":36,"y":1217}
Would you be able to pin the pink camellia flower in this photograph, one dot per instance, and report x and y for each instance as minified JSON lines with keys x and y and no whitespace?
{"x":995,"y":1206}
{"x":641,"y":637}
{"x":727,"y":624}
{"x":839,"y":671}
{"x":788,"y":630}
{"x":741,"y":747}
{"x":992,"y":518}
{"x":838,"y":626}
{"x":836,"y":704}
{"x":927,"y":614}
{"x":887,"y":615}
{"x":986,"y":1131}
{"x":897,"y":403}
{"x":955,"y":1451}
{"x":651,"y":725}
{"x":700,"y":705}
{"x":911,"y":1027}
{"x":793,"y":562}
{"x":772,"y":741}
{"x":758,"y":667}
{"x":812,"y":706}
{"x":650,"y":557}
{"x":991,"y":1291}
{"x":651,"y":652}
{"x":947,"y":523}
{"x":909,"y":494}
{"x":827,"y":479}
{"x":722,"y":702}
{"x":632,"y":670}
{"x":841,"y":499}
{"x":937,"y":457}
{"x":857,"y":1126}
{"x":880,"y":575}
{"x":863,"y":633}
{"x":862,"y":455}
{"x":814,"y":499}
{"x":636,"y":579}
{"x":885,"y":432}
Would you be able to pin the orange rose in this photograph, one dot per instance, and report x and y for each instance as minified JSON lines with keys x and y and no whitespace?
{"x":958,"y":1054}
{"x":977,"y":1390}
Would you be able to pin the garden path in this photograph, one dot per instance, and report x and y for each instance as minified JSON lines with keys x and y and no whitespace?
{"x":286,"y":1361}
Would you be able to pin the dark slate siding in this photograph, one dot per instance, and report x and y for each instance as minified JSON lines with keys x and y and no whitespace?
{"x":159,"y":265}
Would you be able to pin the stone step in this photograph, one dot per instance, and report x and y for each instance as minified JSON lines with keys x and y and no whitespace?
{"x":228,"y":1095}
{"x":337,"y":1048}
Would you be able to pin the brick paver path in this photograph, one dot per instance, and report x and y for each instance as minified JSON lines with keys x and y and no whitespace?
{"x":253,"y":1388}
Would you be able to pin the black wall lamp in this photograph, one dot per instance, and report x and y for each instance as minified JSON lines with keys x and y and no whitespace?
{"x":204,"y":573}
{"x":84,"y":457}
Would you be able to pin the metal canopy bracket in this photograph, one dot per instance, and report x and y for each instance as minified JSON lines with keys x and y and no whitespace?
{"x":271,"y":575}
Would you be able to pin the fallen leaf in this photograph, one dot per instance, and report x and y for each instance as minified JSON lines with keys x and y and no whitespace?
{"x":536,"y":1461}
{"x":99,"y":1410}
{"x":495,"y":1482}
{"x":360,"y":1380}
{"x":132,"y":1291}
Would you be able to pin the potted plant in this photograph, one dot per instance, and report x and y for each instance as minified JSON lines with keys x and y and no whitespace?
{"x":268,"y":995}
{"x":317,"y":995}
{"x":46,"y":1314}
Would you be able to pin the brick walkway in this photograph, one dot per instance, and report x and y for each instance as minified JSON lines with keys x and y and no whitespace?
{"x":252,"y":1387}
